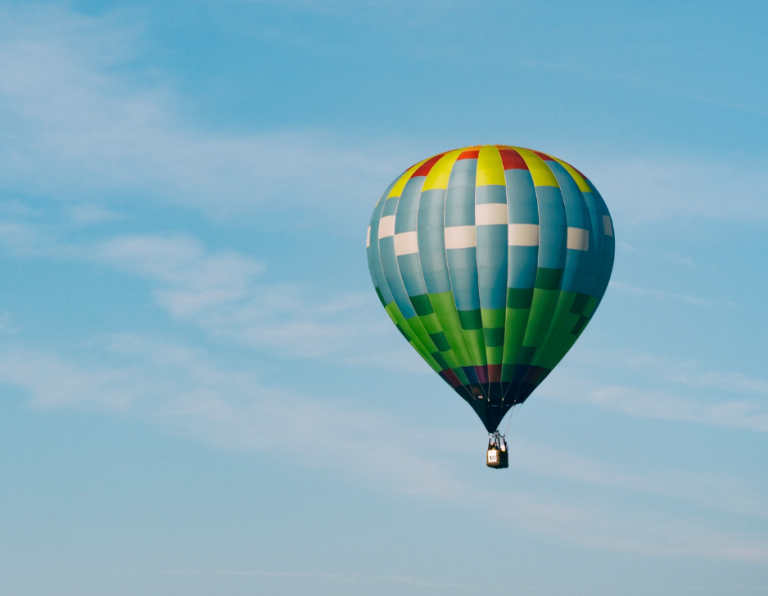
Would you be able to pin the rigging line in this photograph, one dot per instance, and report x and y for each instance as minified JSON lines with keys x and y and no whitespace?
{"x":511,"y":416}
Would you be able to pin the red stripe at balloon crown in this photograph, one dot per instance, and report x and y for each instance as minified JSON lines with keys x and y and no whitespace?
{"x":511,"y":159}
{"x":426,"y":167}
{"x":469,"y":154}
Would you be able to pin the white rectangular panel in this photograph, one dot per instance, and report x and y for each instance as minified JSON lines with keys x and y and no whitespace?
{"x":490,"y":214}
{"x":406,"y":243}
{"x":607,"y":225}
{"x":523,"y":234}
{"x":368,"y":238}
{"x":460,"y":237}
{"x":387,"y":226}
{"x":578,"y":239}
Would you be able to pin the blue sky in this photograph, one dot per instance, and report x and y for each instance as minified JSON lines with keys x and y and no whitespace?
{"x":199,"y":391}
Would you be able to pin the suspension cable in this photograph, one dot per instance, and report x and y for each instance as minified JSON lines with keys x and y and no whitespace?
{"x":511,"y":416}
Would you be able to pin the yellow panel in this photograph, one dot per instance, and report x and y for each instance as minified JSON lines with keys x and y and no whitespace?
{"x":490,"y":169}
{"x":581,"y":183}
{"x":397,"y":189}
{"x":440,"y":173}
{"x":540,"y":172}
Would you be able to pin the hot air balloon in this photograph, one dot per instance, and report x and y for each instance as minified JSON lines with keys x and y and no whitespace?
{"x":491,"y":261}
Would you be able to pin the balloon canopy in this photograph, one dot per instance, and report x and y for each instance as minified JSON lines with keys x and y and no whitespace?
{"x":491,"y":261}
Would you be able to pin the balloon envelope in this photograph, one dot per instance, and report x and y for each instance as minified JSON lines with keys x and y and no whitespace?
{"x":491,"y":261}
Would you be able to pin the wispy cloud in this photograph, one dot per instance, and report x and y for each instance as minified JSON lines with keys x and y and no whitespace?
{"x":687,"y":373}
{"x":662,"y":295}
{"x":359,"y":578}
{"x":219,"y":293}
{"x":709,"y":491}
{"x":661,"y":404}
{"x":646,"y":189}
{"x":6,"y":323}
{"x":88,"y":214}
{"x":222,"y":293}
{"x":182,"y":389}
{"x":681,"y":260}
{"x":76,"y":127}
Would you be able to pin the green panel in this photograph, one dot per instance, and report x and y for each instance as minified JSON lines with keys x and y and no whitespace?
{"x":494,"y":355}
{"x":445,"y":309}
{"x":579,"y":303}
{"x":516,"y":324}
{"x":542,"y":310}
{"x":397,"y":317}
{"x":567,"y":344}
{"x":450,"y":358}
{"x":381,"y":297}
{"x":421,"y":333}
{"x":548,"y":279}
{"x":476,"y":345}
{"x":421,"y":304}
{"x":440,"y":341}
{"x":431,"y":323}
{"x":526,"y":355}
{"x":579,"y":326}
{"x":519,"y":297}
{"x":440,"y":360}
{"x":494,"y":337}
{"x":493,"y":317}
{"x":508,"y":372}
{"x":557,"y":324}
{"x":470,"y":319}
{"x":567,"y":322}
{"x":589,"y":310}
{"x":493,"y":333}
{"x":410,"y":335}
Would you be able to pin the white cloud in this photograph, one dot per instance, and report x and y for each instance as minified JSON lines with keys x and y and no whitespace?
{"x":710,"y":491}
{"x":195,"y":277}
{"x":647,"y":189}
{"x":662,"y":295}
{"x":659,"y":404}
{"x":6,"y":323}
{"x":88,"y":214}
{"x":183,"y":390}
{"x":218,"y":292}
{"x":681,"y":260}
{"x":688,"y":373}
{"x":74,"y":126}
{"x":221,"y":292}
{"x":81,"y":120}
